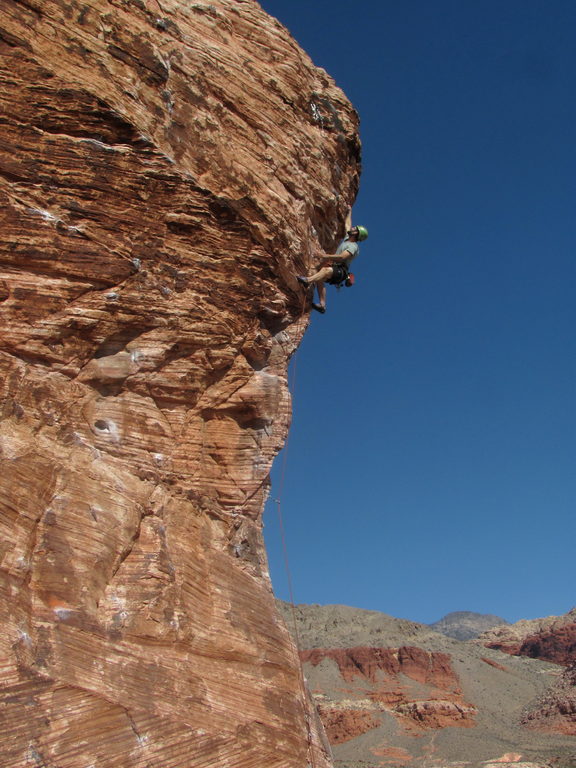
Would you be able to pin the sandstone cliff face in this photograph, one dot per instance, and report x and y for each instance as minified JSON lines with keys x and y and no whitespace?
{"x":165,"y":171}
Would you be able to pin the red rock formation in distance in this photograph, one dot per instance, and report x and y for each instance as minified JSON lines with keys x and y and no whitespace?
{"x":386,"y":678}
{"x":551,"y":639}
{"x":419,"y":665}
{"x":345,"y":724}
{"x":166,"y":168}
{"x":555,"y":712}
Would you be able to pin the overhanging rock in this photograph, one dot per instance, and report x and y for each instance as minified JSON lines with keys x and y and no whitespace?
{"x":166,"y":170}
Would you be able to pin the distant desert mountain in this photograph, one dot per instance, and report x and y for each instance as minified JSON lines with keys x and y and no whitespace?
{"x":396,"y":693}
{"x":341,"y":626}
{"x":466,"y":625}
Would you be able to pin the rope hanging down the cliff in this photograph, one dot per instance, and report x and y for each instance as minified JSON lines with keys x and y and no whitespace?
{"x":278,"y":502}
{"x":278,"y":499}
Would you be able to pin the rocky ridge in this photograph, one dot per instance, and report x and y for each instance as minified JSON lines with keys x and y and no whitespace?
{"x":552,"y":639}
{"x":165,"y":170}
{"x":555,"y":710}
{"x":465,"y":625}
{"x":395,"y":693}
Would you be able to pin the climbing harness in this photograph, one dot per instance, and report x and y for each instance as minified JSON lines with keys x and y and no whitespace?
{"x":341,"y":276}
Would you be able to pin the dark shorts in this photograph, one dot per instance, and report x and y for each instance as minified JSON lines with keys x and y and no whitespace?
{"x":339,"y":274}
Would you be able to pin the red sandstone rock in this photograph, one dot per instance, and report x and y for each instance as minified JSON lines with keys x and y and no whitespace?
{"x":345,"y":724}
{"x":438,"y":714}
{"x":383,"y":672}
{"x":425,"y":667}
{"x":165,"y":170}
{"x":556,"y":710}
{"x":494,"y":664}
{"x":557,"y":645}
{"x":551,"y":639}
{"x":393,"y":756}
{"x":483,"y":695}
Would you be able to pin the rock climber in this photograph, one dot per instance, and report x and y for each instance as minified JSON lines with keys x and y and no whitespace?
{"x":335,"y":268}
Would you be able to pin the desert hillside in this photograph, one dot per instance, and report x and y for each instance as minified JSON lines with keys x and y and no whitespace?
{"x":396,"y":693}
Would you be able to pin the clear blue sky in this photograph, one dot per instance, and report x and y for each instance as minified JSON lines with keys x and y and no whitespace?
{"x":432,"y":457}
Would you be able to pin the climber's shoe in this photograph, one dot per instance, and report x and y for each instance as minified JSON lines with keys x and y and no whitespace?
{"x":319,"y":307}
{"x":302,"y":280}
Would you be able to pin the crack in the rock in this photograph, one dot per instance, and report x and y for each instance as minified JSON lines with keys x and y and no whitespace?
{"x":260,"y":487}
{"x":211,"y":410}
{"x":12,"y":176}
{"x":30,"y":6}
{"x":129,"y":547}
{"x":103,"y":125}
{"x":132,"y":723}
{"x":156,"y":76}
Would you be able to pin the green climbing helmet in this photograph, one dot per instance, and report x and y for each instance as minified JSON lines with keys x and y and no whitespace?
{"x":362,"y":233}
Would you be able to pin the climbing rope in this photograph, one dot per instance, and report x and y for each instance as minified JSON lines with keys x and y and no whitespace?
{"x":278,"y":502}
{"x":278,"y":499}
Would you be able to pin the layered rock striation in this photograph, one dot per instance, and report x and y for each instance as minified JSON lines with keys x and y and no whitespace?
{"x":165,"y":170}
